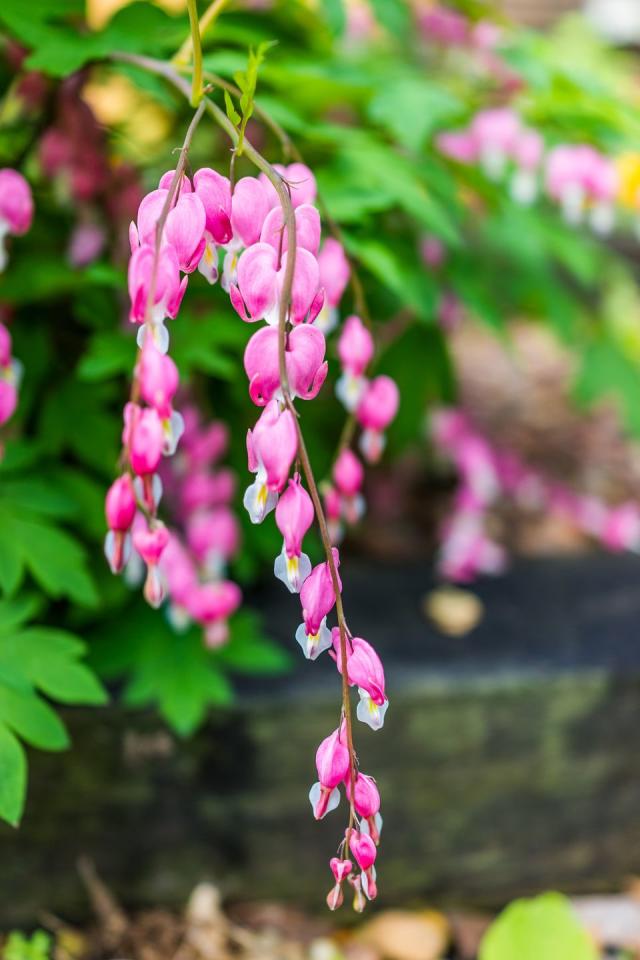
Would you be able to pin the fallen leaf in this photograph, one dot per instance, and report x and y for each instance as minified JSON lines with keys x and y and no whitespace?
{"x":401,"y":935}
{"x":453,"y":611}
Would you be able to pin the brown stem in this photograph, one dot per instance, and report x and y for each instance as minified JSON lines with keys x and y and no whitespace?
{"x":166,"y":70}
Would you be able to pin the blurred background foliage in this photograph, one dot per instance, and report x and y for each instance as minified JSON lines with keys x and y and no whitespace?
{"x":364,"y":111}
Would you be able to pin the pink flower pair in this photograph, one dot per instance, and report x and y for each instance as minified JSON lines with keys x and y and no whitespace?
{"x":306,"y":367}
{"x":260,"y":279}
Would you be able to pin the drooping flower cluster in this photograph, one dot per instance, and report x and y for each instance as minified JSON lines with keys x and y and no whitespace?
{"x":487,"y":475}
{"x":584,"y":182}
{"x":183,"y":226}
{"x":374,"y":404}
{"x":164,"y":241}
{"x":16,"y":208}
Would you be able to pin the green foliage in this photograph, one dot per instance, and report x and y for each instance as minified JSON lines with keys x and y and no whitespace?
{"x":247,"y":81}
{"x":35,"y":662}
{"x":20,"y":947}
{"x":543,"y":927}
{"x":365,"y":117}
{"x":176,"y":672}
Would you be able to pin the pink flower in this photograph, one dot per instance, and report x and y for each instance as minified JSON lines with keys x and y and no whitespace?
{"x":16,"y":209}
{"x":460,"y":146}
{"x":294,"y":516}
{"x":249,"y":207}
{"x":150,"y":543}
{"x":213,"y":537}
{"x":8,"y":400}
{"x":355,"y":346}
{"x":86,"y":244}
{"x":169,"y":289}
{"x":335,"y":270}
{"x":432,"y":251}
{"x":183,"y":229}
{"x":5,"y":346}
{"x":207,"y":489}
{"x":377,"y":408}
{"x":144,"y":438}
{"x":158,"y":377}
{"x":300,"y":180}
{"x":179,"y":572}
{"x":332,"y":764}
{"x":355,"y":350}
{"x":208,"y":445}
{"x":364,"y":670}
{"x":496,"y":130}
{"x":366,"y":801}
{"x":16,"y":202}
{"x":214,"y":192}
{"x":120,"y":504}
{"x":260,"y":281}
{"x":211,"y":604}
{"x":120,"y":510}
{"x":340,"y":869}
{"x":166,"y":182}
{"x":363,"y":849}
{"x":318,"y":599}
{"x":445,"y":26}
{"x":348,"y":473}
{"x":306,"y":366}
{"x":307,"y":229}
{"x":271,"y":447}
{"x":622,"y":528}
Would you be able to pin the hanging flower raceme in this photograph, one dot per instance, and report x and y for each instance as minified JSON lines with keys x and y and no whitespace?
{"x":487,"y":475}
{"x":16,"y":208}
{"x":180,"y":227}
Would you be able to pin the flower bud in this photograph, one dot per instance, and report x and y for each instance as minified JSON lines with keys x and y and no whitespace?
{"x":363,"y":849}
{"x":355,"y":346}
{"x":120,"y":504}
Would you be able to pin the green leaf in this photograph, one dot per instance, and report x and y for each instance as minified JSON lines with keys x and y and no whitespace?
{"x":13,"y":777}
{"x":335,"y":15}
{"x":32,"y":719}
{"x":232,"y":113}
{"x":542,"y":927}
{"x":52,"y":661}
{"x":55,"y":559}
{"x":394,"y":15}
{"x":248,"y":651}
{"x":411,"y":108}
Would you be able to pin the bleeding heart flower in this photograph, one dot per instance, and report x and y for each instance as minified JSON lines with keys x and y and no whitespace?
{"x":305,"y":363}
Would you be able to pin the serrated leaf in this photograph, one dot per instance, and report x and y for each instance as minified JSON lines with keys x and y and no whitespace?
{"x":32,"y":719}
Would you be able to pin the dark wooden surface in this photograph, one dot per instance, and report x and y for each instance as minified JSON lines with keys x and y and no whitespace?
{"x":509,"y":762}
